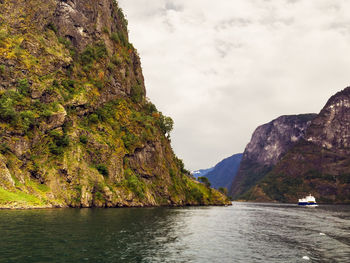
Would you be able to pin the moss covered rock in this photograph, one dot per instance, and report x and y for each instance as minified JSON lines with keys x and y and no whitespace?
{"x":76,"y":128}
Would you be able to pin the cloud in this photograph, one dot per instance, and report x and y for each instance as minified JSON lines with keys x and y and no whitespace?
{"x":222,"y":68}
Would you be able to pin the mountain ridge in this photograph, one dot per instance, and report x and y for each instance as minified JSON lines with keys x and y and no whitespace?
{"x":318,"y":163}
{"x":268,"y":144}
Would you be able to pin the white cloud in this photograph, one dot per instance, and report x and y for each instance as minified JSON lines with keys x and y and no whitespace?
{"x":222,"y":68}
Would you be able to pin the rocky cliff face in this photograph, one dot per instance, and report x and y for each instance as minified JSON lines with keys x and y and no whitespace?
{"x":268,"y":145}
{"x":318,"y":164}
{"x":75,"y":126}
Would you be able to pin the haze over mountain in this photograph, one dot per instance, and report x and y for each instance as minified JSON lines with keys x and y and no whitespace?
{"x":222,"y":174}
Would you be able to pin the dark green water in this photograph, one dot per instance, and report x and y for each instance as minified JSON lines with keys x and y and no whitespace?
{"x":245,"y":232}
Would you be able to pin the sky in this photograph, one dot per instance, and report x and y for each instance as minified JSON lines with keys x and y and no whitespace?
{"x":221,"y":68}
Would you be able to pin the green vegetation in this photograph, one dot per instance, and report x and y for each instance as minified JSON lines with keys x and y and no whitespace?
{"x":83,"y":139}
{"x":166,"y":124}
{"x":102,"y":169}
{"x":2,"y":69}
{"x":66,"y":118}
{"x":59,"y":142}
{"x":204,"y":180}
{"x":23,"y":87}
{"x":223,"y":190}
{"x":137,"y":93}
{"x":18,"y":197}
{"x":115,"y":38}
{"x":92,"y":54}
{"x":135,"y":184}
{"x":52,"y":27}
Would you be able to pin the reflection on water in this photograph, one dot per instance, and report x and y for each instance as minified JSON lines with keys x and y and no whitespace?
{"x":245,"y":232}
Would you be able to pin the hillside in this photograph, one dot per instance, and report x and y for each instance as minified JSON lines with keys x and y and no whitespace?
{"x":319,"y":163}
{"x":268,"y":145}
{"x":76,"y":128}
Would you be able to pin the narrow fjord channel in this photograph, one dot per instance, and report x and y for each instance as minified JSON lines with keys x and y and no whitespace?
{"x":243,"y":232}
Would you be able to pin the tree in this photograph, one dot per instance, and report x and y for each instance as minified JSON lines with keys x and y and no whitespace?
{"x":223,"y":190}
{"x":166,"y":124}
{"x":205,"y":181}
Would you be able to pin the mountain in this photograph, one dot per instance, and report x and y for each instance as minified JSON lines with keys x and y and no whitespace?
{"x":201,"y":172}
{"x":319,"y":163}
{"x":224,"y":172}
{"x":268,"y":145}
{"x":76,"y":128}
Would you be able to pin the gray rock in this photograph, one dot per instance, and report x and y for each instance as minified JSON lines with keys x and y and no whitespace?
{"x":268,"y":145}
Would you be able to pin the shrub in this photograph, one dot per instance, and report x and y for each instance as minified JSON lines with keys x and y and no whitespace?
{"x":52,"y":27}
{"x":223,"y":190}
{"x":102,"y":169}
{"x":129,"y":140}
{"x":196,"y":194}
{"x":181,"y":166}
{"x":205,"y":181}
{"x":117,"y":60}
{"x":83,"y":139}
{"x":101,"y":50}
{"x":88,"y":55}
{"x":59,"y":143}
{"x":150,"y":108}
{"x":4,"y":148}
{"x":27,"y":119}
{"x":2,"y":69}
{"x":68,"y":84}
{"x":115,"y":37}
{"x":135,"y":184}
{"x":137,"y":93}
{"x":166,"y":124}
{"x":93,"y":118}
{"x":105,"y":30}
{"x":92,"y":53}
{"x":7,"y":110}
{"x":23,"y":86}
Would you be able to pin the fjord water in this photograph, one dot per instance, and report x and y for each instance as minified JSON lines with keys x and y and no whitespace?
{"x":243,"y":232}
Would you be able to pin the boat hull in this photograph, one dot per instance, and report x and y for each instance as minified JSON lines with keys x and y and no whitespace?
{"x":307,"y":204}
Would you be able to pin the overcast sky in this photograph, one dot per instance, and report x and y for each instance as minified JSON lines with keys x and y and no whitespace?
{"x":221,"y":68}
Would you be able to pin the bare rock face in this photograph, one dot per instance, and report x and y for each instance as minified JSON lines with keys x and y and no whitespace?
{"x":268,"y":145}
{"x":57,"y":119}
{"x":331,"y":128}
{"x":5,"y":176}
{"x":270,"y":141}
{"x":82,"y":21}
{"x":319,"y":163}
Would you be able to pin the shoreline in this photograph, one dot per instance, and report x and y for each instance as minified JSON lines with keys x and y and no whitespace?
{"x":105,"y":207}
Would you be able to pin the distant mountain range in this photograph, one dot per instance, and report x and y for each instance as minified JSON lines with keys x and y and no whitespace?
{"x":222,"y":174}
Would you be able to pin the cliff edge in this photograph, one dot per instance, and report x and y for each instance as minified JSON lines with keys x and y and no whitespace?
{"x":76,"y":128}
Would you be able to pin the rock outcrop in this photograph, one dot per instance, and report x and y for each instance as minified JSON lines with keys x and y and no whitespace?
{"x":319,"y":163}
{"x":268,"y":145}
{"x":76,"y":128}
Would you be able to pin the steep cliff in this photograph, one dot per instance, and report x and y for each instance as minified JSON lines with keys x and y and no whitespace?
{"x":318,"y":164}
{"x":268,"y":145}
{"x":76,"y":128}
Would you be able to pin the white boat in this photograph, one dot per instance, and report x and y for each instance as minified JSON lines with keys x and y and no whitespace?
{"x":308,"y":201}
